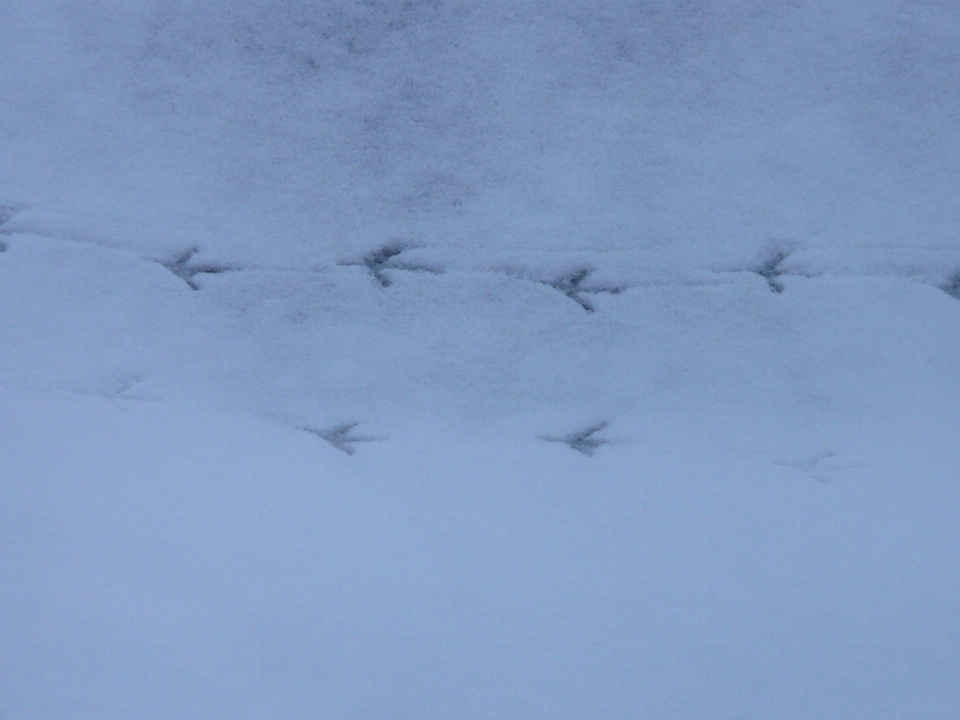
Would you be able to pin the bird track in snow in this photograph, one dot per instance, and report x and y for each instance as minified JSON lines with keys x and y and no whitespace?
{"x":571,"y":285}
{"x":181,"y":266}
{"x":818,"y":466}
{"x":583,"y":441}
{"x":952,"y":286}
{"x":383,"y":258}
{"x":6,"y":215}
{"x":340,"y":436}
{"x":771,"y":271}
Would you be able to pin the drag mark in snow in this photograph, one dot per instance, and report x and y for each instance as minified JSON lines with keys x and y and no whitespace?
{"x":571,"y":285}
{"x":817,"y":466}
{"x":583,"y":441}
{"x":181,"y":266}
{"x":340,"y":436}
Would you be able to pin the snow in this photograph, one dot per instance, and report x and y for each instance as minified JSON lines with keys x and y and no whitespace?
{"x":481,"y":360}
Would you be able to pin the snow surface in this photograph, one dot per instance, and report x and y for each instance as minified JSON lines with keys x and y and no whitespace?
{"x":385,"y":359}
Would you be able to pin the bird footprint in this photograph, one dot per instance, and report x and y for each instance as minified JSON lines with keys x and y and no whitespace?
{"x":583,"y":441}
{"x":340,"y":436}
{"x":818,"y":466}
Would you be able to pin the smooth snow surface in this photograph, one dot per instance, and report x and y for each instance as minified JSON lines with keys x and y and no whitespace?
{"x":570,"y":359}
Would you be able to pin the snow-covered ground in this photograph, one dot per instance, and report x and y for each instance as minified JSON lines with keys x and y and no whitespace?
{"x":445,"y":359}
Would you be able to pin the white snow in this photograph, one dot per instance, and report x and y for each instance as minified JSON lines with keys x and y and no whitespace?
{"x":479,"y":360}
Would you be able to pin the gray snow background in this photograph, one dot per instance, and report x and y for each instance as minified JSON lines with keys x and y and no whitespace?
{"x":436,"y":359}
